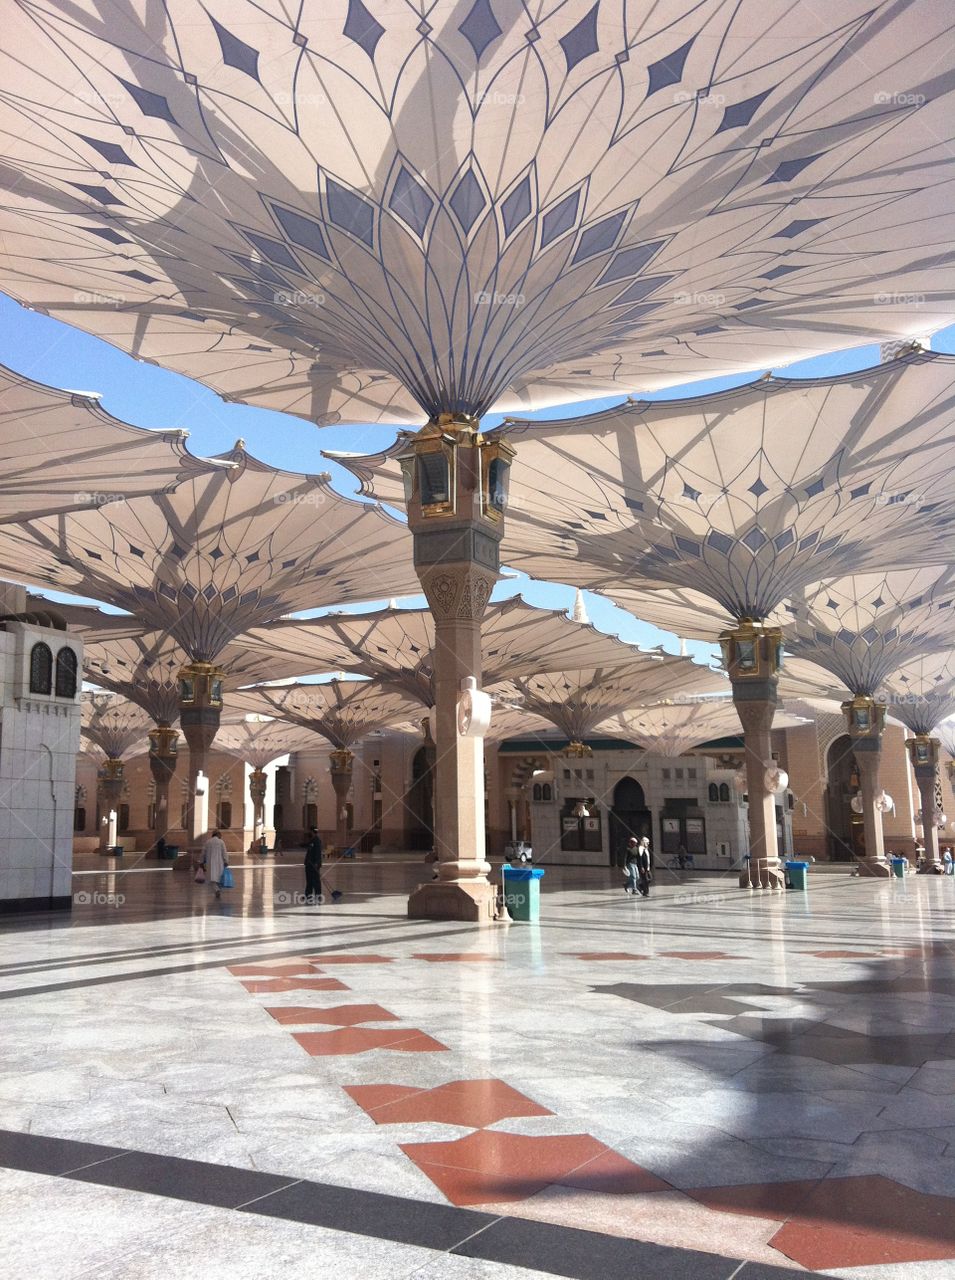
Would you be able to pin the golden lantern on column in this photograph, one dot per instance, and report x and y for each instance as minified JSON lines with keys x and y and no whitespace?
{"x":752,"y":650}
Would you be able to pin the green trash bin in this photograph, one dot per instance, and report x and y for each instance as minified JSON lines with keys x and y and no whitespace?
{"x":522,"y":892}
{"x":898,"y":866}
{"x":797,"y":872}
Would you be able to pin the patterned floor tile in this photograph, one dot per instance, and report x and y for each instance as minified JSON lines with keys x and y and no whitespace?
{"x":344,"y":1015}
{"x":453,"y":957}
{"x":257,"y":985}
{"x":489,"y":1166}
{"x":474,"y":1103}
{"x":323,"y":1044}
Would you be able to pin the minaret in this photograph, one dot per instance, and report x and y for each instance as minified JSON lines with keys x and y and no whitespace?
{"x":579,"y":612}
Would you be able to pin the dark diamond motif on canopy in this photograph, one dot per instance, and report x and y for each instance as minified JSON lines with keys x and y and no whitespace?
{"x":236,"y":53}
{"x":361,"y":27}
{"x":581,"y":41}
{"x":668,"y":70}
{"x":480,"y":28}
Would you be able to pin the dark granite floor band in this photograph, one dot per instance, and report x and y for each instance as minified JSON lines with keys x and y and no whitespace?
{"x":517,"y":1242}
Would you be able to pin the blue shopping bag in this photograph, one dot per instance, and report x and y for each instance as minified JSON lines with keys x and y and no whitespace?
{"x":228,"y":879}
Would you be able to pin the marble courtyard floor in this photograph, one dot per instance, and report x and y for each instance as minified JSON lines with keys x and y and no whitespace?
{"x":708,"y":1084}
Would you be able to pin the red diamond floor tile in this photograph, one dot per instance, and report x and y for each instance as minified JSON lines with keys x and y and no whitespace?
{"x":605,"y":955}
{"x":490,"y":1167}
{"x":846,"y":1222}
{"x":295,"y":969}
{"x":699,"y":955}
{"x":450,"y":957}
{"x":344,"y":1015}
{"x":348,"y":959}
{"x":323,"y":1044}
{"x":474,"y":1103}
{"x":254,"y":985}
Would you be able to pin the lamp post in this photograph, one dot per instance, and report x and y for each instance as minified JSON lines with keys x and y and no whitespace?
{"x":923,"y":752}
{"x":163,"y":758}
{"x":110,"y":778}
{"x":865,"y":723}
{"x":752,"y":656}
{"x":456,"y":491}
{"x":258,"y":787}
{"x":200,"y":710}
{"x":342,"y":763}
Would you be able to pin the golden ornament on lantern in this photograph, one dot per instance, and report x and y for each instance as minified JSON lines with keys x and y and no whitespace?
{"x":752,"y":651}
{"x":440,"y":482}
{"x":923,"y":750}
{"x":200,"y":684}
{"x":576,"y":750}
{"x":865,"y":718}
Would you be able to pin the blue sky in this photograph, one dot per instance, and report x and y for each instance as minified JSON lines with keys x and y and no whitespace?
{"x":52,"y":352}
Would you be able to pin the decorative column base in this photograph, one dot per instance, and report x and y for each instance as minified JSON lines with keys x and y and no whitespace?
{"x":874,"y":868}
{"x":474,"y":901}
{"x":762,"y":873}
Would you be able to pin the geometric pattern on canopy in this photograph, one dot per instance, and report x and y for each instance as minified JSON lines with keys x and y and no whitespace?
{"x":922,"y":692}
{"x":113,"y":723}
{"x":747,"y":496}
{"x":356,"y":210}
{"x":61,"y":451}
{"x":259,"y":742}
{"x":673,"y":728}
{"x":242,"y":544}
{"x":395,"y":645}
{"x":145,"y":669}
{"x":576,"y":701}
{"x":342,"y":712}
{"x":861,"y":628}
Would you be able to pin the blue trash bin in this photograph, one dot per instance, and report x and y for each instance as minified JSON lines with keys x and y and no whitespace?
{"x":522,"y":892}
{"x":898,"y":866}
{"x":797,"y":873}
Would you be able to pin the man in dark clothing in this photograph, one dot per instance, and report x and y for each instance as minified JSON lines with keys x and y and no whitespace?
{"x":313,"y":866}
{"x":644,"y":863}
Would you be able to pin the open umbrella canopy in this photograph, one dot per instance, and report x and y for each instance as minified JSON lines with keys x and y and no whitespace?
{"x":259,"y":741}
{"x":746,"y":496}
{"x":61,"y":451}
{"x":359,"y":210}
{"x":576,"y":701}
{"x":240,"y":545}
{"x":396,"y":644}
{"x":341,"y":711}
{"x":922,"y":692}
{"x":673,"y":727}
{"x":113,"y":723}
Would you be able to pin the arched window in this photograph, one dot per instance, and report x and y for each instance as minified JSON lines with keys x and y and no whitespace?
{"x":547,"y":792}
{"x":41,"y":668}
{"x":79,"y":819}
{"x":538,"y":793}
{"x":224,"y":814}
{"x":714,"y":791}
{"x":310,"y":816}
{"x":66,"y":673}
{"x":725,"y":792}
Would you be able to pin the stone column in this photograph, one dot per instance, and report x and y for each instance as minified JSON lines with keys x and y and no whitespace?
{"x":110,"y":779}
{"x":342,"y":762}
{"x":751,"y":655}
{"x":923,"y":752}
{"x":455,"y":511}
{"x":163,"y":758}
{"x":200,"y":710}
{"x":865,"y":722}
{"x":258,"y":785}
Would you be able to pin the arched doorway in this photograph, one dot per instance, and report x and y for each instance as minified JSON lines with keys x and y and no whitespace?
{"x":846,"y":830}
{"x":628,"y":817}
{"x":420,"y":833}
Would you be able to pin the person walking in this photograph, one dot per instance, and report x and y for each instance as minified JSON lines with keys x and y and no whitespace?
{"x":644,"y":861}
{"x":214,"y":860}
{"x":313,"y":866}
{"x":630,"y":866}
